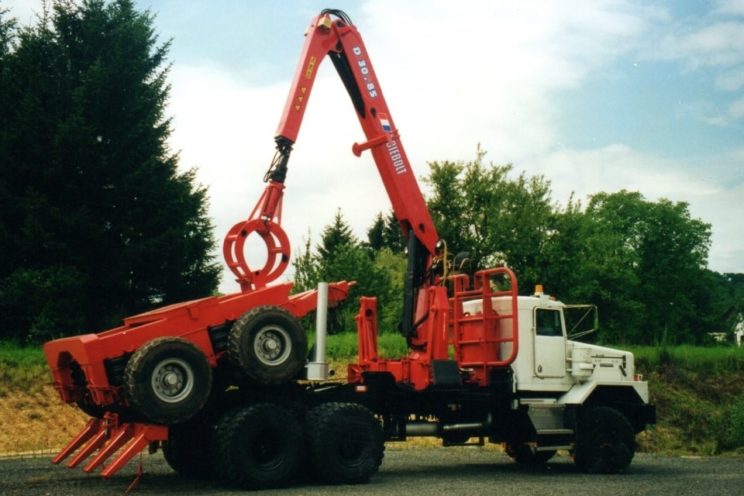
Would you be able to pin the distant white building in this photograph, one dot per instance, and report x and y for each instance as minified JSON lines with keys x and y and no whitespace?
{"x":739,"y":332}
{"x":718,"y":337}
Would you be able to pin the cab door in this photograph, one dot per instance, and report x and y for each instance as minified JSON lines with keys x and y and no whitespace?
{"x":550,"y":342}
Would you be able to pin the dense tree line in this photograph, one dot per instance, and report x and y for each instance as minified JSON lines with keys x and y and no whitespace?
{"x":96,"y":222}
{"x":643,"y":263}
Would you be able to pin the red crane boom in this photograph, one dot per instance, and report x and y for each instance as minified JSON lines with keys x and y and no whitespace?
{"x":332,"y":34}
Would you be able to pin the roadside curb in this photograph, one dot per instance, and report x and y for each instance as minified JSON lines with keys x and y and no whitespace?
{"x":27,"y":454}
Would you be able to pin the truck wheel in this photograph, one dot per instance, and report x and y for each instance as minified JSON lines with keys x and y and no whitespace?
{"x":257,"y":447}
{"x":168,"y":380}
{"x":345,"y":442}
{"x":187,"y":448}
{"x":268,"y":344}
{"x":524,"y":455}
{"x":605,"y":443}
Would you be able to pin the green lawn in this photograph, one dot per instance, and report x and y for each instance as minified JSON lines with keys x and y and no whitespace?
{"x":714,"y":359}
{"x":344,"y":345}
{"x":22,"y":367}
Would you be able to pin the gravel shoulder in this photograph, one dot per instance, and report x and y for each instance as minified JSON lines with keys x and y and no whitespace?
{"x":421,"y":471}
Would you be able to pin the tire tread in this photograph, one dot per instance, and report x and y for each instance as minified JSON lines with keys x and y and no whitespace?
{"x":321,"y":421}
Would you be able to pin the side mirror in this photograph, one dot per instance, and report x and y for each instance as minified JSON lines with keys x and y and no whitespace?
{"x":581,"y":320}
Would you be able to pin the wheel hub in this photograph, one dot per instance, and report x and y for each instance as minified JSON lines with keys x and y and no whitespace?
{"x":172,"y":380}
{"x":272,"y":345}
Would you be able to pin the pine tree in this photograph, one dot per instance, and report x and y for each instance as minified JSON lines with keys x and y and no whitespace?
{"x":375,"y":233}
{"x":100,"y":222}
{"x":385,"y":232}
{"x":335,"y":236}
{"x":392,"y":235}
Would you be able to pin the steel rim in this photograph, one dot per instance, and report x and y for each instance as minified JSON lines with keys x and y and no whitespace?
{"x":272,"y":345}
{"x":172,"y":380}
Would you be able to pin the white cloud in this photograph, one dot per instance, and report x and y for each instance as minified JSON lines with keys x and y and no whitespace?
{"x":715,"y":115}
{"x":730,"y":7}
{"x":486,"y":73}
{"x":731,"y":80}
{"x":716,"y":44}
{"x":26,"y":11}
{"x":616,"y":167}
{"x":736,"y":109}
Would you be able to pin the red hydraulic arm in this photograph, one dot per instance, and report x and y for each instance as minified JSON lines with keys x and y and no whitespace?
{"x":332,"y":34}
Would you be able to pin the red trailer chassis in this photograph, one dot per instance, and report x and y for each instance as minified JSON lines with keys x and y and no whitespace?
{"x":203,"y":322}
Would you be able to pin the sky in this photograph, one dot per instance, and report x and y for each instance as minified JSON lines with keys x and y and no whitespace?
{"x":594,"y":95}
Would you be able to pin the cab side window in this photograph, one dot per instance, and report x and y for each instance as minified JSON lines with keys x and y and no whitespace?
{"x":548,"y":322}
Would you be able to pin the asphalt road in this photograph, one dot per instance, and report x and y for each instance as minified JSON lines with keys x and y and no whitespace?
{"x":421,"y":471}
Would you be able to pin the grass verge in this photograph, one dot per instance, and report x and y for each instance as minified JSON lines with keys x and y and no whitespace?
{"x":699,"y":394}
{"x":344,"y":346}
{"x":709,"y":360}
{"x":22,"y":368}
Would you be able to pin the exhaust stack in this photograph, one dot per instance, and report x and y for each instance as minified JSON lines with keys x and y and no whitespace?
{"x":317,"y":370}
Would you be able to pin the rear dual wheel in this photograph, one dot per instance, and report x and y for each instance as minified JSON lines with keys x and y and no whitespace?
{"x":345,"y":443}
{"x":257,"y":447}
{"x":263,"y":445}
{"x":187,"y":448}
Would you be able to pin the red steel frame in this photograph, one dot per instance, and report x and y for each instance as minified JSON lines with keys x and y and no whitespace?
{"x":482,"y":341}
{"x":190,"y":320}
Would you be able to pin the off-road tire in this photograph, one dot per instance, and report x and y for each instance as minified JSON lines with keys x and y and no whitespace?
{"x":345,"y":442}
{"x":268,"y":344}
{"x":605,"y":443}
{"x":524,"y":455}
{"x":257,"y":447}
{"x":147,"y":376}
{"x":187,"y":448}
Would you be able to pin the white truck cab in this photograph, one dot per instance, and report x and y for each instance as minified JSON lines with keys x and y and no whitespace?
{"x":568,"y":390}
